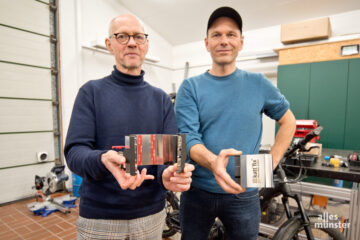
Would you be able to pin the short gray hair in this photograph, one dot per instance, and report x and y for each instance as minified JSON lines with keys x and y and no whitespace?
{"x":123,"y":15}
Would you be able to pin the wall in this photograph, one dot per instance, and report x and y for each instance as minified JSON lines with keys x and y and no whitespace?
{"x":257,"y":43}
{"x":94,"y":27}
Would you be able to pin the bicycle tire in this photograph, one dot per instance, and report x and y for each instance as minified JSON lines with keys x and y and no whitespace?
{"x":172,"y":210}
{"x":217,"y":231}
{"x":291,"y":228}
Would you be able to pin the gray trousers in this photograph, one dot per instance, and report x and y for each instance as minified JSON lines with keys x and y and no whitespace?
{"x":144,"y":228}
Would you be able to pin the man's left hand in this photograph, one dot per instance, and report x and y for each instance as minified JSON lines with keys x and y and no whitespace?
{"x":177,"y":182}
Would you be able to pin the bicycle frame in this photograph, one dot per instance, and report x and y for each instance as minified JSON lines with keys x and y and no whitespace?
{"x":282,"y":187}
{"x":266,"y":194}
{"x":285,"y":190}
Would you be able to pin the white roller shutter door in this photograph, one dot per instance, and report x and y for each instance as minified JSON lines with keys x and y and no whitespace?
{"x":28,"y":95}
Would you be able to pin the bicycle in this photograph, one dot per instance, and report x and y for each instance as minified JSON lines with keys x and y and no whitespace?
{"x":172,"y":221}
{"x":300,"y":225}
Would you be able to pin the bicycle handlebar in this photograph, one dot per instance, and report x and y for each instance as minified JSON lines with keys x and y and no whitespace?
{"x":301,"y":144}
{"x":314,"y":133}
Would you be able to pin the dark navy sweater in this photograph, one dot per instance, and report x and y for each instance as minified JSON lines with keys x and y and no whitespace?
{"x":105,"y":111}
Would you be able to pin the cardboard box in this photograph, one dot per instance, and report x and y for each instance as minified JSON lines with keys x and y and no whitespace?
{"x":305,"y":31}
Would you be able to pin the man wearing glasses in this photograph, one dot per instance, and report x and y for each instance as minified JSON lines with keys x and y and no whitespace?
{"x":222,"y":109}
{"x":115,"y":205}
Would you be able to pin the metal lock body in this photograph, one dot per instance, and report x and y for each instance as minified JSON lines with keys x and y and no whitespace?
{"x":154,"y":149}
{"x":255,"y":170}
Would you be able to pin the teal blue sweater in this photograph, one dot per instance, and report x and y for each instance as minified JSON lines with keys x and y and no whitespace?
{"x":225,"y":112}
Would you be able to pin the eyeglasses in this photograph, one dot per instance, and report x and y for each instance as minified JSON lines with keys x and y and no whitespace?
{"x":123,"y":38}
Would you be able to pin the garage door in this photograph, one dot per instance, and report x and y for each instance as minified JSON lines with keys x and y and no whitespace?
{"x":29,"y":109}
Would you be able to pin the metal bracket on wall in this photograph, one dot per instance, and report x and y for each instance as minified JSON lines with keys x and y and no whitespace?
{"x":53,"y":38}
{"x":54,"y":70}
{"x":56,"y":132}
{"x":55,"y":102}
{"x":52,"y":7}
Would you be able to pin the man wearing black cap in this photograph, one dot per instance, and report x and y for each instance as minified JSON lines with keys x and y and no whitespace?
{"x":220,"y":111}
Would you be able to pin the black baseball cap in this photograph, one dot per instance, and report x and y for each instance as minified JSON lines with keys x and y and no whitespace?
{"x":225,"y":12}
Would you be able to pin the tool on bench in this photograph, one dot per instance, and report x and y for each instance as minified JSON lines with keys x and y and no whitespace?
{"x":354,"y":161}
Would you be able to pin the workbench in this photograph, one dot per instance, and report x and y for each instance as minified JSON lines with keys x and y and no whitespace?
{"x":341,"y":173}
{"x":317,"y":170}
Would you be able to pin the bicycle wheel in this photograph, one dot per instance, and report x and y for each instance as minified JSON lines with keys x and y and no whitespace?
{"x":172,"y":220}
{"x":296,"y":227}
{"x":274,"y":212}
{"x":217,"y":231}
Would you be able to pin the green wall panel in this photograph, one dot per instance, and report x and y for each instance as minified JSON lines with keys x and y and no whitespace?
{"x":352,"y":127}
{"x":294,"y":83}
{"x":328,"y":94}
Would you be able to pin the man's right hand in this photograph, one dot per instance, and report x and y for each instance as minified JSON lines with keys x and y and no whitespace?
{"x":218,"y":167}
{"x":113,"y":161}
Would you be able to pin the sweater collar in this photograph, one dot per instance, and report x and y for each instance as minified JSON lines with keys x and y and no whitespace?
{"x":230,"y":76}
{"x":126,"y":79}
